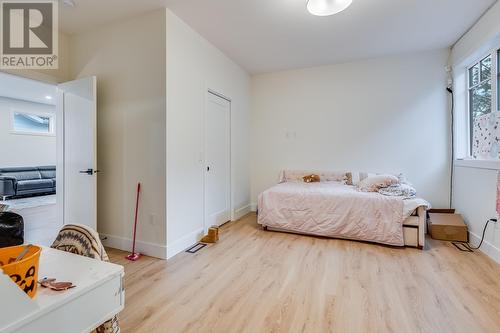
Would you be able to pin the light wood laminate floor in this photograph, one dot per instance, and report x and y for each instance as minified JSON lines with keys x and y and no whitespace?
{"x":263,"y":281}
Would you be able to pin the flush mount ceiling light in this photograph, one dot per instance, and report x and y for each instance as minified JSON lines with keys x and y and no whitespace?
{"x":327,"y":7}
{"x":69,"y":3}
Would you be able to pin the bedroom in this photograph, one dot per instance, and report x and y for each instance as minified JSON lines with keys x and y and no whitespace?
{"x":212,"y":105}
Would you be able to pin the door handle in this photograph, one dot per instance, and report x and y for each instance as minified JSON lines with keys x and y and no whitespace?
{"x":89,"y":172}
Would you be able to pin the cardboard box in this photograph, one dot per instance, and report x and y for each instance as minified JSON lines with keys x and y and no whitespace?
{"x":449,"y":227}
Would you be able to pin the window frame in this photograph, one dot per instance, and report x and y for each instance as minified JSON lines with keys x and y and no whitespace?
{"x":52,"y":123}
{"x":495,"y":69}
{"x":495,"y":101}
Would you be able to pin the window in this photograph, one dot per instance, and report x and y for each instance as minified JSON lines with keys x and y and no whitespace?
{"x":32,"y":123}
{"x":483,"y":123}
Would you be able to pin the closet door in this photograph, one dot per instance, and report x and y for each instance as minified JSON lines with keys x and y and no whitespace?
{"x":217,"y":159}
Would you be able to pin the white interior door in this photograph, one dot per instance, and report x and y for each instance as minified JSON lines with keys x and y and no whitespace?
{"x":78,"y":153}
{"x":217,"y":159}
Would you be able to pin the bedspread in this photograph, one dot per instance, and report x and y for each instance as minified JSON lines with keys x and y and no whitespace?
{"x":334,"y":210}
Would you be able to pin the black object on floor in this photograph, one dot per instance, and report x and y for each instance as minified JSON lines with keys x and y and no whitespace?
{"x":464,"y":247}
{"x":11,"y":229}
{"x":196,"y":248}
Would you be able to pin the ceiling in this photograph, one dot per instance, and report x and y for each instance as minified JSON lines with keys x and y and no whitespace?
{"x":272,"y":35}
{"x":17,"y":87}
{"x":87,"y":14}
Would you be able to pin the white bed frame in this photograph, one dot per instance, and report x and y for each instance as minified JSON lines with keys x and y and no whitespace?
{"x":414,"y":229}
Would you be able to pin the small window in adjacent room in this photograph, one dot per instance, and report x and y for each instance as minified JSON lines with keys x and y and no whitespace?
{"x":32,"y":123}
{"x":480,"y":106}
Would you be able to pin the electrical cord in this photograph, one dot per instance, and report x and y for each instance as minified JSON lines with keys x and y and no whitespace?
{"x":482,"y":237}
{"x":466,"y":246}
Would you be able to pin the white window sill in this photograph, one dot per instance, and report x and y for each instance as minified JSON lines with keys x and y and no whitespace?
{"x":33,"y":133}
{"x":478,"y":164}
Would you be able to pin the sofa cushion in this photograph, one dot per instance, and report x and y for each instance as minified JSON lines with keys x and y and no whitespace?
{"x":47,"y":172}
{"x":26,"y":185}
{"x":23,"y":175}
{"x":17,"y":169}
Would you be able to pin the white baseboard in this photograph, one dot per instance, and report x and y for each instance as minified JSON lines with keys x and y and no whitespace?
{"x":253,"y":207}
{"x":487,"y":248}
{"x":184,"y":242}
{"x":240,"y":212}
{"x":125,"y":244}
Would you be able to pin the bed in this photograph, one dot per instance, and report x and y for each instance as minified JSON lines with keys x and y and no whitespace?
{"x":335,"y":209}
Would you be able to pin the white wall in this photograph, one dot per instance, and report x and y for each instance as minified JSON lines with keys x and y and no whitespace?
{"x":481,"y":37}
{"x":128,"y":59}
{"x":381,"y":115}
{"x":58,"y":75}
{"x":193,"y":67}
{"x":475,"y":198}
{"x":475,"y":188}
{"x":18,"y":150}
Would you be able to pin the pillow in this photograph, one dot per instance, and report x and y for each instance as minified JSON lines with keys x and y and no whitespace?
{"x":376,"y":182}
{"x":357,"y":177}
{"x":337,"y":176}
{"x":325,"y":176}
{"x":311,"y":179}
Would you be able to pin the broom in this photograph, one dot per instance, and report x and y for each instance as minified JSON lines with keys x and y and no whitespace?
{"x":135,"y":256}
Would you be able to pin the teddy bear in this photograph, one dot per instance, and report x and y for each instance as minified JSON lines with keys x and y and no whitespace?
{"x":311,"y":178}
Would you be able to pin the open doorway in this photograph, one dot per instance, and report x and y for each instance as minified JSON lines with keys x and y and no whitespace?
{"x":28,"y":155}
{"x":48,"y":154}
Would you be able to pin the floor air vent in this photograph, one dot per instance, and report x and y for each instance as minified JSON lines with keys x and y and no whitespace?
{"x":195,"y":248}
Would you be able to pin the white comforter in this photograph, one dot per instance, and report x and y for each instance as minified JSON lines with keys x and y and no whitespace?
{"x":335,"y":210}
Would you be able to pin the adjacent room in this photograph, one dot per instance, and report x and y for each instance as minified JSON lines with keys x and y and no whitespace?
{"x":28,"y":155}
{"x":249,"y":166}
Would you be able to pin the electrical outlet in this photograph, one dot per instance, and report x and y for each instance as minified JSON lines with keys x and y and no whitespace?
{"x":291,"y":135}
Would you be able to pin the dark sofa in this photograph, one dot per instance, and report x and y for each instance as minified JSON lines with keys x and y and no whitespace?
{"x":16,"y":182}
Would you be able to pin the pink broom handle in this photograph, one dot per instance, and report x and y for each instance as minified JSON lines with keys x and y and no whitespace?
{"x":136,"y":211}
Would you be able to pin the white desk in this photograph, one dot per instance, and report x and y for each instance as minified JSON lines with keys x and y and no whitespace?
{"x":98,"y":296}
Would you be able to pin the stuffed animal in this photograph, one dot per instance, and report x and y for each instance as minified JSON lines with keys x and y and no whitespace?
{"x":311,"y":178}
